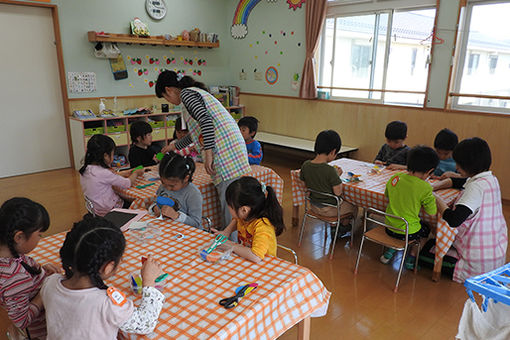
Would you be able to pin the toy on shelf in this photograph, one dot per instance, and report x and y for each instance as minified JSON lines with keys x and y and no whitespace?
{"x":185,"y":35}
{"x":194,"y":35}
{"x":139,"y":28}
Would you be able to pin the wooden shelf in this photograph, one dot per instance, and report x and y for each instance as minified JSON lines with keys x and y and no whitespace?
{"x":150,"y":40}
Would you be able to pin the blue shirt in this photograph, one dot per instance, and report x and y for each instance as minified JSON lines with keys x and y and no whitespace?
{"x":254,"y":152}
{"x":444,"y":166}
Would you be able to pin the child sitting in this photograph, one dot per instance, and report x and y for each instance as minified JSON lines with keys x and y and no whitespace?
{"x":318,"y":175}
{"x":249,"y":127}
{"x":257,"y":216}
{"x":98,"y":179}
{"x":80,"y":305}
{"x":407,"y":194}
{"x":444,"y":143}
{"x":481,"y":240}
{"x":394,"y":151}
{"x":141,"y":152}
{"x":176,"y":173}
{"x":22,"y":222}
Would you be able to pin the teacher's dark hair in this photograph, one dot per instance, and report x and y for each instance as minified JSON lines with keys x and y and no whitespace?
{"x":169,"y":79}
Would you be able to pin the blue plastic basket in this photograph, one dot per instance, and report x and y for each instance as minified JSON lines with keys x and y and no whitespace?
{"x":492,"y":285}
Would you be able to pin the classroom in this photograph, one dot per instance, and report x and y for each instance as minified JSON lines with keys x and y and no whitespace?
{"x":254,"y":169}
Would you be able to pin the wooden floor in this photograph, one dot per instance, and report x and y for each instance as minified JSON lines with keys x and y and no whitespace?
{"x":361,"y":307}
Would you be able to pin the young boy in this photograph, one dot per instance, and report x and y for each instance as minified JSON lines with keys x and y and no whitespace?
{"x":444,"y":143}
{"x":140,"y":152}
{"x":407,"y":194}
{"x":249,"y":127}
{"x":394,"y":151}
{"x":318,"y":175}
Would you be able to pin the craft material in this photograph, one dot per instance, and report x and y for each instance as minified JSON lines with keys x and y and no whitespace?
{"x":160,"y":155}
{"x":216,"y":251}
{"x":161,"y":201}
{"x":144,"y":185}
{"x":377,"y":169}
{"x":241,"y":292}
{"x":137,"y":168}
{"x":137,"y":282}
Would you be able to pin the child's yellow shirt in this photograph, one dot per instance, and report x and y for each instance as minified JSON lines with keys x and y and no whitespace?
{"x":259,"y":235}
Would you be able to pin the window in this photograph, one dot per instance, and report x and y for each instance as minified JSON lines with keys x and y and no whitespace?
{"x":484,"y":45}
{"x":380,"y":57}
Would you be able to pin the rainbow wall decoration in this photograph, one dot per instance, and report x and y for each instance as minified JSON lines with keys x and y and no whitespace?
{"x":239,"y":28}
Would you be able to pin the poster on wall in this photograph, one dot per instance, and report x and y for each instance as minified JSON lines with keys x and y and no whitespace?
{"x":81,"y":82}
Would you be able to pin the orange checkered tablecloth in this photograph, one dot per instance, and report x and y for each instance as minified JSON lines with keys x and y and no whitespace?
{"x":287,"y":293}
{"x":369,"y":193}
{"x":144,"y":197}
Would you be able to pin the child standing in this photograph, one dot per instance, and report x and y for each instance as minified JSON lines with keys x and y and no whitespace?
{"x":482,"y":239}
{"x":444,"y":143}
{"x":141,"y":152}
{"x":407,"y":194}
{"x":181,"y":131}
{"x":21,"y":223}
{"x":318,"y":175}
{"x":394,"y":151}
{"x":249,"y":127}
{"x":98,"y":179}
{"x":176,"y":173}
{"x":79,"y":305}
{"x":257,"y":216}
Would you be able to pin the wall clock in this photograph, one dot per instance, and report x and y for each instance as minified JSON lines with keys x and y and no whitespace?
{"x":156,"y":9}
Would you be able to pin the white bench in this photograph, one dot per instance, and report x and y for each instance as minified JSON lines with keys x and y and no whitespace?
{"x":296,"y":143}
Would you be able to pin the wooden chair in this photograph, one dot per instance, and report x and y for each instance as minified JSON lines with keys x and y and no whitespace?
{"x":378,"y":235}
{"x":289,"y":250}
{"x":334,"y":220}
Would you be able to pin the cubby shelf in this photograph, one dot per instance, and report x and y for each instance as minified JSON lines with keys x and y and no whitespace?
{"x":150,"y":40}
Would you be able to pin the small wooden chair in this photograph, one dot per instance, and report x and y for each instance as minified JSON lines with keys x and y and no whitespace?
{"x":378,"y":235}
{"x":334,"y":220}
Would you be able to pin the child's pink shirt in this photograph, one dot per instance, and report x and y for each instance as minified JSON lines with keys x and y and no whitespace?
{"x":97,"y":184}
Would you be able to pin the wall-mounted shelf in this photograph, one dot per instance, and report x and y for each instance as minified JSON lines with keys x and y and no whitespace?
{"x":150,"y":40}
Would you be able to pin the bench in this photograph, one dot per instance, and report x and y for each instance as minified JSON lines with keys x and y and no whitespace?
{"x":296,"y":143}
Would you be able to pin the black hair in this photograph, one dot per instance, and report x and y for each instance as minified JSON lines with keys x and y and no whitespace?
{"x":251,"y":123}
{"x":396,"y":130}
{"x":473,"y":155}
{"x":422,"y":159}
{"x":327,"y":141}
{"x":174,"y":165}
{"x":178,"y":127}
{"x":170,"y":79}
{"x":247,"y":191}
{"x":97,"y":146}
{"x":89,"y":245}
{"x":446,"y":139}
{"x":139,"y":129}
{"x":22,"y":214}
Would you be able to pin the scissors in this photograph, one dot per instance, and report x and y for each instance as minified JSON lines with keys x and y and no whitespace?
{"x":240,"y":292}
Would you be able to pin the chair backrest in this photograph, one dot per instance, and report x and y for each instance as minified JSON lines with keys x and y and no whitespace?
{"x":206,"y":224}
{"x":90,"y":206}
{"x":371,"y":211}
{"x":309,"y":191}
{"x":289,"y":250}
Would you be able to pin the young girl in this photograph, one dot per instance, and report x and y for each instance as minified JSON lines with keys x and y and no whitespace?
{"x":98,"y":179}
{"x":80,"y":305}
{"x":257,"y":216}
{"x":21,"y":223}
{"x":176,"y":173}
{"x":481,"y":240}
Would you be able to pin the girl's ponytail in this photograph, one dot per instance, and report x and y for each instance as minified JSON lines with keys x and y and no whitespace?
{"x":97,"y":146}
{"x":273,"y":211}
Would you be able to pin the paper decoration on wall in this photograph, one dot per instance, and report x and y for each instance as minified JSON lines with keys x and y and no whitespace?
{"x":188,"y":61}
{"x":202,"y":62}
{"x":119,"y":69}
{"x":141,"y":71}
{"x":153,"y":60}
{"x":242,"y":75}
{"x":170,"y":60}
{"x":295,"y":3}
{"x":294,"y":84}
{"x":239,"y":28}
{"x":81,"y":82}
{"x":271,"y":75}
{"x":257,"y":74}
{"x":197,"y":72}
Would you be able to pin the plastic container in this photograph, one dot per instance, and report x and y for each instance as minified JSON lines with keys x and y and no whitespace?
{"x":157,"y":124}
{"x":221,"y":253}
{"x":114,"y":129}
{"x":147,"y":234}
{"x":93,"y":131}
{"x":136,"y":277}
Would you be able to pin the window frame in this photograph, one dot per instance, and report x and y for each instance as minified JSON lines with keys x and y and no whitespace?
{"x":461,"y":59}
{"x":377,"y":12}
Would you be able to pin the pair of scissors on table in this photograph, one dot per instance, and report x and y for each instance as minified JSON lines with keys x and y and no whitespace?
{"x":240,"y":292}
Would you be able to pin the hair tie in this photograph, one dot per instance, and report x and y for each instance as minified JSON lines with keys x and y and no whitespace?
{"x":180,"y":76}
{"x":187,"y":166}
{"x":264,"y":188}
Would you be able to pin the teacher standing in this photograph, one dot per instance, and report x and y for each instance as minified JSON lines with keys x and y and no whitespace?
{"x":212,"y":129}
